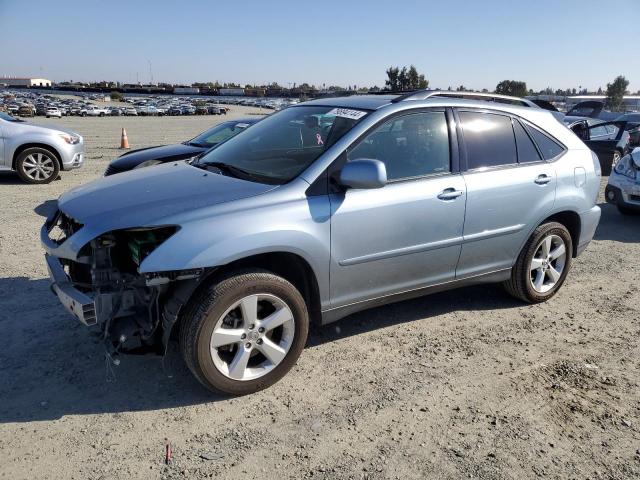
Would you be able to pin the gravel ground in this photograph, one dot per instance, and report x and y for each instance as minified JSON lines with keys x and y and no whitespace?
{"x":463,"y":384}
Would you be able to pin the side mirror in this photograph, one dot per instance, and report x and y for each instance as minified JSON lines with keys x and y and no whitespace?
{"x":364,"y":173}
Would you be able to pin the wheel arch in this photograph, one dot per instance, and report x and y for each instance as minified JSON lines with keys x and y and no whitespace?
{"x":571,"y":220}
{"x":290,"y":266}
{"x":21,"y":148}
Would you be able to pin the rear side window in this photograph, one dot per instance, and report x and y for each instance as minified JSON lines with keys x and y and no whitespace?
{"x":527,"y":151}
{"x":548,"y":147}
{"x":488,"y":139}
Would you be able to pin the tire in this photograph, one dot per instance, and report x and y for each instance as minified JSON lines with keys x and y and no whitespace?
{"x":212,"y":309}
{"x":522,"y":284}
{"x":37,"y":166}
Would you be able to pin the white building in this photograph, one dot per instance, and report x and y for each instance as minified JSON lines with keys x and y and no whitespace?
{"x":26,"y":82}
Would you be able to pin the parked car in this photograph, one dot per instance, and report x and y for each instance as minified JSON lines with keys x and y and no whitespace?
{"x":26,"y":111}
{"x":623,"y":187}
{"x":320,"y":210}
{"x":38,"y":153}
{"x":632,"y":126}
{"x":94,"y":111}
{"x":53,"y":112}
{"x":146,"y":157}
{"x":174,"y":111}
{"x":609,"y":140}
{"x":131,"y":111}
{"x":115,"y":112}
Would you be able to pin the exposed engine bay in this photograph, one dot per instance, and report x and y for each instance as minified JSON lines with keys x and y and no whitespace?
{"x":132,"y":312}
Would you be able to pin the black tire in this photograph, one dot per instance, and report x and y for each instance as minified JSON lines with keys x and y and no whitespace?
{"x":22,"y":165}
{"x":207,"y":306}
{"x":520,"y":285}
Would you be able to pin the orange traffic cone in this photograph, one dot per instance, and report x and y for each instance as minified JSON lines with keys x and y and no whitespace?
{"x":124,"y":141}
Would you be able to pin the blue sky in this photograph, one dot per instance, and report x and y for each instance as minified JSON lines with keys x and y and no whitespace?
{"x":553,"y":43}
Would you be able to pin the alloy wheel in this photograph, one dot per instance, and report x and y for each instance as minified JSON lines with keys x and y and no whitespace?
{"x":38,"y":166}
{"x":252,"y":337}
{"x":548,"y":263}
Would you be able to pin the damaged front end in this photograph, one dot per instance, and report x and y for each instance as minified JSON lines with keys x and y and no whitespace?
{"x":103,"y":287}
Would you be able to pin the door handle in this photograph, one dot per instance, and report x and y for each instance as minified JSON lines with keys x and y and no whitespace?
{"x":542,"y":179}
{"x":450,"y":194}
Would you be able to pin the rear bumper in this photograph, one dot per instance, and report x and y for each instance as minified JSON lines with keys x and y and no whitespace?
{"x":76,"y":302}
{"x":589,"y":222}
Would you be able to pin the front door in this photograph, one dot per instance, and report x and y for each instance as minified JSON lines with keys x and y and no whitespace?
{"x":407,"y":234}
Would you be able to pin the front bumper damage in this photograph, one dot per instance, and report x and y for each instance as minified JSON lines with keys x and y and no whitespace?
{"x":76,"y":302}
{"x":99,"y":282}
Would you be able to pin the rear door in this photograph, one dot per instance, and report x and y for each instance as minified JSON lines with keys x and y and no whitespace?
{"x":510,"y":187}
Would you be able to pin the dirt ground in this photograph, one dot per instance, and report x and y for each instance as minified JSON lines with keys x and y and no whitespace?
{"x":463,"y":384}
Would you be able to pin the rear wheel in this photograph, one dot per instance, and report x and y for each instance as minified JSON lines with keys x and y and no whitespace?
{"x":37,"y":165}
{"x":543,"y":264}
{"x":244,"y":332}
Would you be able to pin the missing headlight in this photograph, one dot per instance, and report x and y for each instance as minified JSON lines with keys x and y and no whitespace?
{"x":141,"y":242}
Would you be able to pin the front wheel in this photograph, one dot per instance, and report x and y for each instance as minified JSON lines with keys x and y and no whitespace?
{"x":244,"y":332}
{"x":543,"y":264}
{"x":37,"y":165}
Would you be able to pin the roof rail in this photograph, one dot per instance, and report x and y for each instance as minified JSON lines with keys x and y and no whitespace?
{"x":488,"y":97}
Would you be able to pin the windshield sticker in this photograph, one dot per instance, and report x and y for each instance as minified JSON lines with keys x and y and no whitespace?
{"x":347,"y":113}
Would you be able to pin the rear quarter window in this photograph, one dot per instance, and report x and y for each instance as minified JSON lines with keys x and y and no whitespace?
{"x":547,"y":146}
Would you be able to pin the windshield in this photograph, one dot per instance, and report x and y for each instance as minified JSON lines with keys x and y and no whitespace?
{"x":8,"y":118}
{"x":278,"y":148}
{"x":218,"y":134}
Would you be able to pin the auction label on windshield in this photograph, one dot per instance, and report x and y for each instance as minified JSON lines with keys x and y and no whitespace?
{"x":347,"y":113}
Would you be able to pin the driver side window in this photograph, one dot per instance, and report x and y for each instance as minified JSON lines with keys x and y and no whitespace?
{"x":411,"y":145}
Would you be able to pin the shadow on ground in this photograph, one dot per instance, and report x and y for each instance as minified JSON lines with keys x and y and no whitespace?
{"x":52,"y":367}
{"x":617,"y":227}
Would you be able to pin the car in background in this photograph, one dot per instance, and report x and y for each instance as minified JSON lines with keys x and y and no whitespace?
{"x":623,"y":187}
{"x":53,"y":112}
{"x":94,"y":111}
{"x":174,"y":111}
{"x":608,"y":140}
{"x":115,"y":111}
{"x":633,"y":127}
{"x":147,"y":157}
{"x":36,"y":152}
{"x":131,"y":111}
{"x":26,"y":111}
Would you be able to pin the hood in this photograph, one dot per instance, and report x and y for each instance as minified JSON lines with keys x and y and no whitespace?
{"x":28,"y":126}
{"x":143,"y":197}
{"x":164,"y":153}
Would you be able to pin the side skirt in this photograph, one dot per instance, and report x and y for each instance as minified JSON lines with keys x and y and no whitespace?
{"x":335,"y":314}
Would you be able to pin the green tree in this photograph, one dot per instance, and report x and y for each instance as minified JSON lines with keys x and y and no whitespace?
{"x":513,"y":88}
{"x":616,"y":92}
{"x":392,"y":79}
{"x":405,"y":79}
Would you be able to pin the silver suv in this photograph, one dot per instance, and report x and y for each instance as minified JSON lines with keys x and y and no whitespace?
{"x":318,"y":211}
{"x":38,"y":153}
